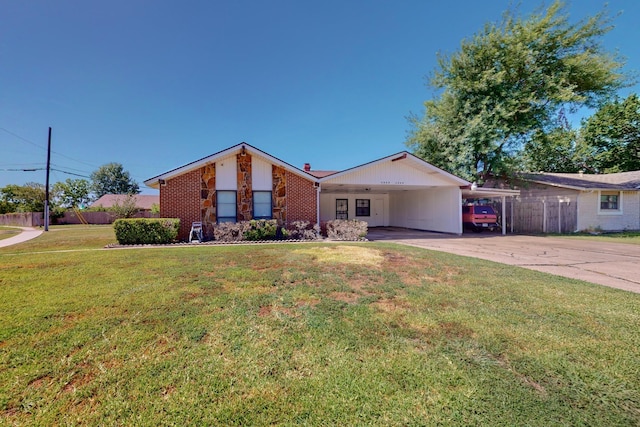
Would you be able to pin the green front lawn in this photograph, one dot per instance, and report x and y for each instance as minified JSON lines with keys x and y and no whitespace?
{"x":6,"y":232}
{"x":623,"y":237}
{"x":316,"y":334}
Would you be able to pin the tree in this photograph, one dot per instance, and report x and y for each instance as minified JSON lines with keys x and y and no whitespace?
{"x":72,"y":192}
{"x":507,"y":82}
{"x":611,"y":136}
{"x":553,"y":149}
{"x":22,"y":198}
{"x":125,"y":208}
{"x":111,"y":178}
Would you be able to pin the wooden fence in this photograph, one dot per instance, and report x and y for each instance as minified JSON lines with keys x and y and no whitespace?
{"x":23,"y":219}
{"x":36,"y":219}
{"x":539,"y":216}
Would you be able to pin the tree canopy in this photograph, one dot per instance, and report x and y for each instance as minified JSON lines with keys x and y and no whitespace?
{"x":22,"y":198}
{"x":611,"y":137}
{"x":72,"y":192}
{"x":509,"y":82}
{"x":111,"y":178}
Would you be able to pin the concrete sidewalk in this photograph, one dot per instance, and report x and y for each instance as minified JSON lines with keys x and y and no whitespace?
{"x":616,"y":265}
{"x":27,"y":233}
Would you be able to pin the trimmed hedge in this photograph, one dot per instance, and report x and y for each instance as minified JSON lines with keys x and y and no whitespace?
{"x":144,"y":231}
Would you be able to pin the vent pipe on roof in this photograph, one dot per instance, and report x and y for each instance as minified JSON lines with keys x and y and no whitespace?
{"x":307,"y":167}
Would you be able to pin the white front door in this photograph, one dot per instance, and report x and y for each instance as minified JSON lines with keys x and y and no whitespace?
{"x":378,"y":213}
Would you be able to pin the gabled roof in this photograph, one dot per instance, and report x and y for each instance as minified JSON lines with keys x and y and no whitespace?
{"x":143,"y":201}
{"x":155,"y":181}
{"x":407,"y":159}
{"x":577,"y":181}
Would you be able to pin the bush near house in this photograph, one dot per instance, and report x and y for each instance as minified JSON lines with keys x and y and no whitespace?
{"x":347,"y":229}
{"x":141,"y":231}
{"x":265,"y":229}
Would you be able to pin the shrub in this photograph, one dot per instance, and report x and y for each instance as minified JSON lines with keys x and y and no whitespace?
{"x":230,"y":231}
{"x":140,"y":231}
{"x":125,"y":207}
{"x":347,"y":229}
{"x":302,"y":230}
{"x":264,"y":229}
{"x":256,"y":229}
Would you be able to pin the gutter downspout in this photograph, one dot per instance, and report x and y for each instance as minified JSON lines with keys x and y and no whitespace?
{"x":318,"y":189}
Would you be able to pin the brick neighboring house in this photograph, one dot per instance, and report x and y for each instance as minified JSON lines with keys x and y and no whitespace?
{"x":243,"y":183}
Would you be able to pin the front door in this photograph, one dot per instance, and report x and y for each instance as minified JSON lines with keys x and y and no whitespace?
{"x":378,"y":213}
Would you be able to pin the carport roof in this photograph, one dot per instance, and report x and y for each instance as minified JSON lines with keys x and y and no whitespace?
{"x":488,"y":193}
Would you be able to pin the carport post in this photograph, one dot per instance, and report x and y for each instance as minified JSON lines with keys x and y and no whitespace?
{"x":504,"y":216}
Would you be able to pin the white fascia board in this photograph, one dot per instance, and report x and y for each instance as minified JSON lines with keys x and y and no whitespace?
{"x":154,"y":182}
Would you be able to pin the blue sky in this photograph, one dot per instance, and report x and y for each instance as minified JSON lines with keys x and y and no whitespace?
{"x":157,"y":84}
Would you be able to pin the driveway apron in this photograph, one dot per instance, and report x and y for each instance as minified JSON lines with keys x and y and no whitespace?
{"x":616,"y":265}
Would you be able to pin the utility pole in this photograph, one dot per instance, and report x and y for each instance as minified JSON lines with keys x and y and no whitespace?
{"x":46,"y":191}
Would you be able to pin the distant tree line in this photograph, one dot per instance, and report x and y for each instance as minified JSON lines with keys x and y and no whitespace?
{"x":110,"y":178}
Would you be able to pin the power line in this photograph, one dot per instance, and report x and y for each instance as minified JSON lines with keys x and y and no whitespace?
{"x":44,"y":148}
{"x":70,"y":173}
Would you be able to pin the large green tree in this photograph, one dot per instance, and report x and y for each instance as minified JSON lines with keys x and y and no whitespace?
{"x":111,"y":178}
{"x":22,"y":198}
{"x":72,"y":193}
{"x":611,"y":137}
{"x":509,"y":81}
{"x":553,"y":149}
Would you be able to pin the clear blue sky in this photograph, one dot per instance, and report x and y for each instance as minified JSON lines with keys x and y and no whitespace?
{"x":157,"y":84}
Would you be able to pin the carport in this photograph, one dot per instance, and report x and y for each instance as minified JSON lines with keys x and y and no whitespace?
{"x":475,"y":192}
{"x":401,"y":190}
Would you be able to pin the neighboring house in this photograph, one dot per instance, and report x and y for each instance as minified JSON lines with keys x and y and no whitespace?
{"x":608,"y":202}
{"x":143,"y":202}
{"x":243,"y":183}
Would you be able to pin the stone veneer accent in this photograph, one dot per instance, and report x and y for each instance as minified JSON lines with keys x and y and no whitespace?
{"x":245,"y":188}
{"x":208,"y":199}
{"x":279,"y":194}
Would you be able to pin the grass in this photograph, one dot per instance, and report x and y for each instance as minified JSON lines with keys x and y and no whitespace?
{"x":6,"y":232}
{"x":632,"y":237}
{"x":315,"y":334}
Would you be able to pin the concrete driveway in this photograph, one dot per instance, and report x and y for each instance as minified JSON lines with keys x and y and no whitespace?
{"x":611,"y":264}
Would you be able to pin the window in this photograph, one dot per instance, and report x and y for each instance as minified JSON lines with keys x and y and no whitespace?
{"x":342,"y":209}
{"x":609,"y":200}
{"x":262,"y":205}
{"x":226,"y":206}
{"x":363,"y":207}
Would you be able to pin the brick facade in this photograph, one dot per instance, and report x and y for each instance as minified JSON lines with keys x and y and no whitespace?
{"x":192,"y":197}
{"x":180,"y":198}
{"x":301,"y":199}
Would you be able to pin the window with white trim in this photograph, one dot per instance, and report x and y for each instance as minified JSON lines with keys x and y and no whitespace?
{"x":226,"y":206}
{"x":363,"y":207}
{"x":262,"y":207}
{"x":609,"y":200}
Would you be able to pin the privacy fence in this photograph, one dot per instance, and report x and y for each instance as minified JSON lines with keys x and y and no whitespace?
{"x":537,"y":216}
{"x":36,"y":219}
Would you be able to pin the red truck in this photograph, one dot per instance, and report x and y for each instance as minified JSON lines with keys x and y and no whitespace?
{"x":479,"y":217}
